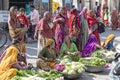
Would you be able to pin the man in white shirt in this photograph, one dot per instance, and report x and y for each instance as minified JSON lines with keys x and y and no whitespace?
{"x":34,"y":19}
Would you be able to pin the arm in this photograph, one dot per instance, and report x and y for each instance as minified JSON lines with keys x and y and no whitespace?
{"x":19,"y":65}
{"x":42,"y":53}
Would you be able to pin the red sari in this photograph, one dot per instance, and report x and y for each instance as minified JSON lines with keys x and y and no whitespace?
{"x":60,"y":31}
{"x":73,"y":21}
{"x":74,"y":28}
{"x":92,"y":22}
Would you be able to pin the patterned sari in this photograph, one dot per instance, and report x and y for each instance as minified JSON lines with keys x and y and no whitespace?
{"x":60,"y":32}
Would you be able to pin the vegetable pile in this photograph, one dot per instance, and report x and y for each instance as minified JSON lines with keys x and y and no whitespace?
{"x":15,"y":78}
{"x":26,"y":73}
{"x":98,"y":54}
{"x":94,"y":61}
{"x":72,"y":64}
{"x":73,"y":68}
{"x":52,"y":75}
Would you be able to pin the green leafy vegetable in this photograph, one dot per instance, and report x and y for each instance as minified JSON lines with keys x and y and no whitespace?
{"x":51,"y":75}
{"x":98,"y":54}
{"x":15,"y":78}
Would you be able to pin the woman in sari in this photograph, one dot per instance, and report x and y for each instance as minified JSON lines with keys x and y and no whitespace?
{"x":10,"y":61}
{"x":47,"y":56}
{"x":108,"y":43}
{"x":90,"y":46}
{"x":61,"y":28}
{"x":14,"y":27}
{"x":105,"y":15}
{"x":68,"y":47}
{"x":114,"y":19}
{"x":74,"y":28}
{"x":84,"y":26}
{"x":93,"y":25}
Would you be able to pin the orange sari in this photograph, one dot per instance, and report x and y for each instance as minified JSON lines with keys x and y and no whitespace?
{"x":6,"y":70}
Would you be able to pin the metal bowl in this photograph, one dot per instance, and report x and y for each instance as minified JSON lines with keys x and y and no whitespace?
{"x":94,"y":69}
{"x":72,"y":76}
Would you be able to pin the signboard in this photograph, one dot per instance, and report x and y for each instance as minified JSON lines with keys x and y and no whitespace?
{"x":4,"y":16}
{"x":55,"y":5}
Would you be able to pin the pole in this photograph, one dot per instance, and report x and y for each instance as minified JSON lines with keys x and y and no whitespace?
{"x":50,"y":5}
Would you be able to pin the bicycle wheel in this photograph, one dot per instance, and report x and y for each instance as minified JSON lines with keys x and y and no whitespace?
{"x":3,"y":38}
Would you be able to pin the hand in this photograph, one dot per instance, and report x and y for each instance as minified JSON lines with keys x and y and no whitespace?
{"x":61,"y":19}
{"x":40,"y":39}
{"x":50,"y":59}
{"x":22,"y":64}
{"x":89,"y":32}
{"x":35,"y":35}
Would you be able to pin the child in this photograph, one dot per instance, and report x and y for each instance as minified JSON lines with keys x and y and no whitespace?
{"x":23,"y":20}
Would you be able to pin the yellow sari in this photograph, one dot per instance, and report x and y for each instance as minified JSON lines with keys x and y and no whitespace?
{"x":10,"y":57}
{"x":108,"y":39}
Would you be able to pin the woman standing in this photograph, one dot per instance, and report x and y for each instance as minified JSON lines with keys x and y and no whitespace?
{"x":14,"y":25}
{"x":114,"y":19}
{"x":84,"y":26}
{"x":74,"y":28}
{"x":93,"y":25}
{"x":105,"y":15}
{"x":61,"y":28}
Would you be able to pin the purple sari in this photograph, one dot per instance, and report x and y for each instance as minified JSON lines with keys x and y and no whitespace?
{"x":90,"y":46}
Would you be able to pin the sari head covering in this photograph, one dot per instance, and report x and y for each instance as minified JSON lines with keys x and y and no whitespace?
{"x":12,"y":18}
{"x":74,"y":11}
{"x":49,"y":42}
{"x":89,"y":13}
{"x":90,"y":46}
{"x":72,"y":20}
{"x":10,"y":57}
{"x":13,"y":24}
{"x":108,"y":39}
{"x":83,"y":12}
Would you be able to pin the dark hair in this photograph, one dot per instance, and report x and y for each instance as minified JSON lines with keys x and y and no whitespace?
{"x":58,"y":8}
{"x":21,"y":10}
{"x":80,"y":1}
{"x":32,"y":6}
{"x":73,"y":6}
{"x":96,"y":3}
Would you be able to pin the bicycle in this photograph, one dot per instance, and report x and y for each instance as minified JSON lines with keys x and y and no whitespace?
{"x":3,"y":37}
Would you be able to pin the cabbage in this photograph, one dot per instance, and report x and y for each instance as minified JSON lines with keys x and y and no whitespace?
{"x":72,"y":72}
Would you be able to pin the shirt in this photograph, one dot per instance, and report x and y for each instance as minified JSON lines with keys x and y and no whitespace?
{"x":45,"y":53}
{"x":73,"y":48}
{"x":34,"y":17}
